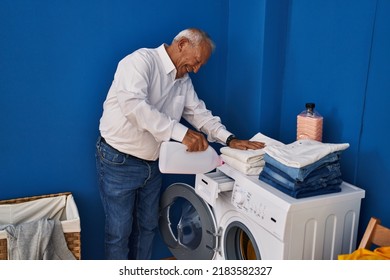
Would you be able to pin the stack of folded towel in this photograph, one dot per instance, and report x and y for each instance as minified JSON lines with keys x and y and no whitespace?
{"x":303,"y":168}
{"x":249,"y":162}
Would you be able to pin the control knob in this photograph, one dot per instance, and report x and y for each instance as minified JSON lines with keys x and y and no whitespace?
{"x":239,"y":197}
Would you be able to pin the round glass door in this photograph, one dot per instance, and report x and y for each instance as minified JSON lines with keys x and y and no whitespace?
{"x":239,"y":243}
{"x":187,"y":224}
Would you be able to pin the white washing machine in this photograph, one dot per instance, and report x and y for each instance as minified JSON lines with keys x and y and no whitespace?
{"x":229,"y":215}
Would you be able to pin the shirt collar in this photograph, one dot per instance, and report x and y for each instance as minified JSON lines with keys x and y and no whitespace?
{"x":169,"y":67}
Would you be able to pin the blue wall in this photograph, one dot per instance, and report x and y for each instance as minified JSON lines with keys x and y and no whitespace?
{"x":256,"y":54}
{"x":57,"y":60}
{"x":337,"y":55}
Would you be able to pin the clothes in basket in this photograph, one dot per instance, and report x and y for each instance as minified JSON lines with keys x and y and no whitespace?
{"x":40,"y":228}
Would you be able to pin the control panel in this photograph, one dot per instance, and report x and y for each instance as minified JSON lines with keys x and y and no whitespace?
{"x":247,"y":199}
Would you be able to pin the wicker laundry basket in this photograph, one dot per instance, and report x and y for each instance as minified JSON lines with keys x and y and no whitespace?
{"x":72,"y":238}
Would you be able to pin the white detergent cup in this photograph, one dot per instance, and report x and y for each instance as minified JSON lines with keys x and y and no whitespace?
{"x":175,"y":159}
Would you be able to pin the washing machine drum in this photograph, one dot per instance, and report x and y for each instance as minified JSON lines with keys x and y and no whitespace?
{"x":187,"y":224}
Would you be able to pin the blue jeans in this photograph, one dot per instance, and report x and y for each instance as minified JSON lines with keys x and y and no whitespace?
{"x":130,"y":192}
{"x":321,"y":175}
{"x":331,"y":186}
{"x":301,"y":173}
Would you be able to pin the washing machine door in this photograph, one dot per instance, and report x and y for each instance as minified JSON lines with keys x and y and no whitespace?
{"x":187,"y":224}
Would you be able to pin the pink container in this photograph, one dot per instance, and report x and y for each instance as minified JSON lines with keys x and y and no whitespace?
{"x":309,"y":124}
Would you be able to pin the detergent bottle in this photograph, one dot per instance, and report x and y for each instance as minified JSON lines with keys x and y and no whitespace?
{"x":174,"y":158}
{"x":309,"y":124}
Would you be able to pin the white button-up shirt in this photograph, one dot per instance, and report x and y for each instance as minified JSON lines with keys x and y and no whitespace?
{"x":145,"y":104}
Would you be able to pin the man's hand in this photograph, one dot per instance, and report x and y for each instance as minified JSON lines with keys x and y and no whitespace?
{"x":246,"y":144}
{"x":195,"y":141}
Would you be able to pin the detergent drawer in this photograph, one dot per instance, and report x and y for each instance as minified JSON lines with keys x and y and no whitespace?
{"x":209,"y":185}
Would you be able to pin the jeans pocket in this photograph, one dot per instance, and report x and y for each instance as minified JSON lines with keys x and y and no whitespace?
{"x":109,"y":155}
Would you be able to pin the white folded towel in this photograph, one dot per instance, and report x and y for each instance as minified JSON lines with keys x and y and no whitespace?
{"x":244,"y":156}
{"x":303,"y":152}
{"x":245,"y":168}
{"x":250,"y":156}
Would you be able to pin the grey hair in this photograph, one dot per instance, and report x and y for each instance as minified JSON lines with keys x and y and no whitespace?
{"x":195,"y":36}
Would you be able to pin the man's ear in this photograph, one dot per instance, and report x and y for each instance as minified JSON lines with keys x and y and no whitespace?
{"x":182,"y":43}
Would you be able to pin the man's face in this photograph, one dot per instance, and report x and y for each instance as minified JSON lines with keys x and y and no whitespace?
{"x":191,"y":57}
